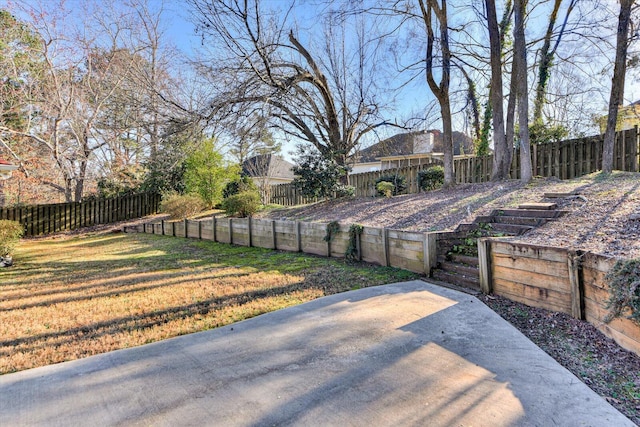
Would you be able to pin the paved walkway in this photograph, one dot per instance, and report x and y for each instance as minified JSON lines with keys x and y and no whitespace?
{"x":403,"y":354}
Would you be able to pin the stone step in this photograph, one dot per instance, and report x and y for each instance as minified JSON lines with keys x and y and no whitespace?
{"x":538,"y":206}
{"x":460,"y":269}
{"x":457,"y":279}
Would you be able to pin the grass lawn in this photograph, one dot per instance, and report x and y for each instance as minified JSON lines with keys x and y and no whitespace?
{"x":68,"y":298}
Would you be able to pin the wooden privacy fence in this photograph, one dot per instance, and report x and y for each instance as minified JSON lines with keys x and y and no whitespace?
{"x":556,"y":279}
{"x":52,"y":218}
{"x":564,"y":160}
{"x":365,"y":183}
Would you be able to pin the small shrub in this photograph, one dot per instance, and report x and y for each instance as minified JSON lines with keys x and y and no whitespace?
{"x":10,"y":233}
{"x":243,"y":204}
{"x":624,"y":288}
{"x":385,"y":188}
{"x":180,"y":206}
{"x":431,"y":178}
{"x":345,"y":191}
{"x":244,"y":183}
{"x":399,"y":184}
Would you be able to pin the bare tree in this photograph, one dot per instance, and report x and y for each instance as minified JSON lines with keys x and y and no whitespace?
{"x":520,"y":75}
{"x":502,"y":149}
{"x":617,"y":83}
{"x":322,"y":94}
{"x":429,"y":10}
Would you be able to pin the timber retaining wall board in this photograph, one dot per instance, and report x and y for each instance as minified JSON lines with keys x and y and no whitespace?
{"x":531,"y":275}
{"x":542,"y":277}
{"x":596,"y":296}
{"x":406,"y":250}
{"x":312,"y":238}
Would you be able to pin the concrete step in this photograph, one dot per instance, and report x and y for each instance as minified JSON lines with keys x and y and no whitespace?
{"x":457,"y":279}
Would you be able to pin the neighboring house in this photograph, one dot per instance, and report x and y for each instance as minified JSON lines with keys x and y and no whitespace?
{"x":408,"y":149}
{"x":267,"y":170}
{"x":628,"y":118}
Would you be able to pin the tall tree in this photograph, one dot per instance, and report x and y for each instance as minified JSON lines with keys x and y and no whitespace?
{"x":617,"y":83}
{"x":522,"y":92}
{"x":319,"y":90}
{"x":502,"y":150}
{"x":429,"y":10}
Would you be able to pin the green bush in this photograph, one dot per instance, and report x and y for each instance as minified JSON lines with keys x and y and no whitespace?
{"x":180,"y":206}
{"x":385,"y":188}
{"x":431,"y":178}
{"x":10,"y":233}
{"x":243,"y":204}
{"x":345,"y":191}
{"x":317,"y":175}
{"x":244,"y":183}
{"x":399,"y":184}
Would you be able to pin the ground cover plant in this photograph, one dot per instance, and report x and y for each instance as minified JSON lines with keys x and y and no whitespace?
{"x":68,"y":298}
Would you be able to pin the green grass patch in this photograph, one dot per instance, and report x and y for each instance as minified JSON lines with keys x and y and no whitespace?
{"x":70,"y":298}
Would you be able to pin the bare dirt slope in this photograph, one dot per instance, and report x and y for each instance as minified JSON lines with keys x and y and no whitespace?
{"x":605,"y":218}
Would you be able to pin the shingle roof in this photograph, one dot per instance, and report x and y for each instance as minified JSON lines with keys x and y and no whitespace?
{"x":268,"y":165}
{"x":402,"y":144}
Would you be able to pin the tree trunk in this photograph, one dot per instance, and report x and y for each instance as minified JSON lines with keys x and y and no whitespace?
{"x":501,"y":150}
{"x":520,"y":64}
{"x":441,"y":91}
{"x":617,"y":84}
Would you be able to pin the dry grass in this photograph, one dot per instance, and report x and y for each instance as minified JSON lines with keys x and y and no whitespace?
{"x":71,"y":298}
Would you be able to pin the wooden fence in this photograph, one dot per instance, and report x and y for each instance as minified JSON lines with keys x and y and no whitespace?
{"x":557,"y":279}
{"x":52,"y":218}
{"x":564,"y":160}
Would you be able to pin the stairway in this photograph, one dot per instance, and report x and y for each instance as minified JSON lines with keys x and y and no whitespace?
{"x":458,"y":250}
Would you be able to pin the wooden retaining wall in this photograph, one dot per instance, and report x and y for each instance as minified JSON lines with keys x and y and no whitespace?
{"x":394,"y":248}
{"x":557,"y":279}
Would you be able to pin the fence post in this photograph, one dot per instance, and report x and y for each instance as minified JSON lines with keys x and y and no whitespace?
{"x":298,"y":237}
{"x":213,"y":231}
{"x":484,"y":263}
{"x":200,"y":230}
{"x":231,"y":231}
{"x":430,"y":252}
{"x":385,"y":246}
{"x":249,"y":231}
{"x":273,"y":233}
{"x":574,"y":263}
{"x":186,"y":228}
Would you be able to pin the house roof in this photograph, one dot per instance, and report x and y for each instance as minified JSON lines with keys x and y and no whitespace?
{"x":268,"y":165}
{"x":402,"y":144}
